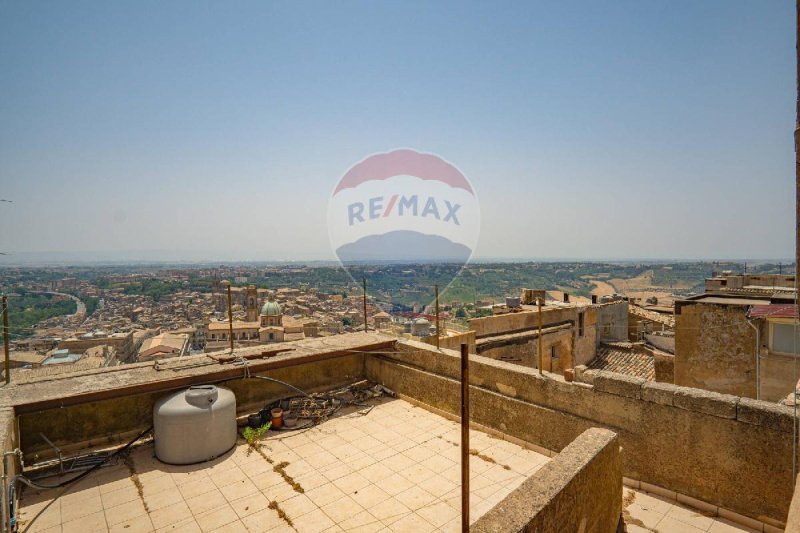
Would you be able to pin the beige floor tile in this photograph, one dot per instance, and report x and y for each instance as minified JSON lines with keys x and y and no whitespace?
{"x":73,"y":511}
{"x":314,"y":522}
{"x":125,"y":495}
{"x":298,"y":506}
{"x":228,"y":477}
{"x":217,"y":518}
{"x":93,"y":522}
{"x":650,"y":501}
{"x":321,"y":459}
{"x":394,"y":484}
{"x":239,"y":489}
{"x":325,"y":494}
{"x":250,"y":504}
{"x":390,"y":509}
{"x":415,"y":498}
{"x":438,"y":485}
{"x":438,"y":513}
{"x":342,"y":509}
{"x":691,"y":517}
{"x":264,"y":521}
{"x":170,"y":515}
{"x":190,"y":490}
{"x":720,"y":525}
{"x":454,"y":526}
{"x":369,"y":496}
{"x":157,"y":484}
{"x":233,"y":527}
{"x":376,"y":472}
{"x":206,"y":502}
{"x":336,"y":471}
{"x":162,"y":499}
{"x":140,"y":524}
{"x":185,"y":526}
{"x":76,"y":495}
{"x":351,"y":483}
{"x":670,"y":525}
{"x":125,"y":512}
{"x":644,"y":516}
{"x":267,"y":479}
{"x":633,"y":528}
{"x":361,"y":519}
{"x":412,"y":523}
{"x":280,"y":493}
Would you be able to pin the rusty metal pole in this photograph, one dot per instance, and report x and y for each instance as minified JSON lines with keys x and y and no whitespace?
{"x":541,"y":355}
{"x":464,"y":437}
{"x":5,"y":340}
{"x":797,"y":227}
{"x":436,"y":287}
{"x":365,"y":305}
{"x":230,"y":314}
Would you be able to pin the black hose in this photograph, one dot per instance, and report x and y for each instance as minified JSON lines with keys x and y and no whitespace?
{"x":82,"y":475}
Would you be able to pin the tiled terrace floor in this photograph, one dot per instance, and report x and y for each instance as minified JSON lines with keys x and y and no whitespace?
{"x":394,"y":468}
{"x":648,"y":512}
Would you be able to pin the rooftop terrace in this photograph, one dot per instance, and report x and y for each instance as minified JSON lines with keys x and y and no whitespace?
{"x":544,"y":451}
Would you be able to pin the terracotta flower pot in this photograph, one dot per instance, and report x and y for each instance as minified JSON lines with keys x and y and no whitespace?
{"x":277,"y":418}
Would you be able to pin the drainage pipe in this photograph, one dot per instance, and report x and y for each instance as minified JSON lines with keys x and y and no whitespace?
{"x":758,"y":358}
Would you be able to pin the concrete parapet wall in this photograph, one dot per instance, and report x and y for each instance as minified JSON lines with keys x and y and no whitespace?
{"x":733,"y":452}
{"x":113,"y":421}
{"x":580,"y":489}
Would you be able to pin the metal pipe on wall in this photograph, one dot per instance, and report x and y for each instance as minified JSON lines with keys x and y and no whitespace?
{"x":464,"y":437}
{"x":758,"y":358}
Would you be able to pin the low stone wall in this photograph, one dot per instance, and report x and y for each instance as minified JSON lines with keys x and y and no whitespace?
{"x":732,"y":452}
{"x":580,"y":489}
{"x":113,"y":421}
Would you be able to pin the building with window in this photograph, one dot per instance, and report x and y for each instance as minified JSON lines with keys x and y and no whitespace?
{"x":738,"y":338}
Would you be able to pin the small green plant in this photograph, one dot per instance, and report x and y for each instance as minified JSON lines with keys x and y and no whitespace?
{"x":253,"y":435}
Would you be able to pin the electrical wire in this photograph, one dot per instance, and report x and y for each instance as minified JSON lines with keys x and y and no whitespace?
{"x":117,"y":453}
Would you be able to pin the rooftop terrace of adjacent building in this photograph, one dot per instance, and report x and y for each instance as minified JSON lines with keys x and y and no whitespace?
{"x":729,"y":456}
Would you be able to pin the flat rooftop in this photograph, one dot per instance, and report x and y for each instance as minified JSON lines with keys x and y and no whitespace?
{"x":392,"y":467}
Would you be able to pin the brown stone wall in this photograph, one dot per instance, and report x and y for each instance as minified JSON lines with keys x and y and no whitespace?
{"x":523,"y":321}
{"x":665,"y":367}
{"x":580,"y":489}
{"x":525,"y":350}
{"x":715,"y":349}
{"x":779,"y":373}
{"x":729,"y":451}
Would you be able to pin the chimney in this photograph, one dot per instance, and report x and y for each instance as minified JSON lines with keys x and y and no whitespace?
{"x":566,"y":297}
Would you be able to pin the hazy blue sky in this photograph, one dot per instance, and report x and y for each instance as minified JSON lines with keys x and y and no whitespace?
{"x":213,"y":130}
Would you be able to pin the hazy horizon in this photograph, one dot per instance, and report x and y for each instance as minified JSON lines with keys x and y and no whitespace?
{"x":196,"y":132}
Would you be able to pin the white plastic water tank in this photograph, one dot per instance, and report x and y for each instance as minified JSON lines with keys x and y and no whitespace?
{"x":194,"y":425}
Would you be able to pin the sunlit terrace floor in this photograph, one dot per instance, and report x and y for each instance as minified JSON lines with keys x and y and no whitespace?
{"x":648,"y":513}
{"x":393,"y":468}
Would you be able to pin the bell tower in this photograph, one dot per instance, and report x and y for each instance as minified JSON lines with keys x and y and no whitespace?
{"x":251,"y":304}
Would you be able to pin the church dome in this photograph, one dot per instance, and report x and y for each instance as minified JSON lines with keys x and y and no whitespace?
{"x":271,"y":309}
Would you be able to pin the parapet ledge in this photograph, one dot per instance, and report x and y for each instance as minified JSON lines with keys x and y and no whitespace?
{"x":619,"y":384}
{"x":765,"y":414}
{"x":707,"y":402}
{"x":660,"y":393}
